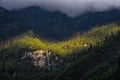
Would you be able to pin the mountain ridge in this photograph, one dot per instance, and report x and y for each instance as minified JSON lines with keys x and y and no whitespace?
{"x":51,"y":25}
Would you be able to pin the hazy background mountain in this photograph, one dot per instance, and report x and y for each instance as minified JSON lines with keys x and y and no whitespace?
{"x":70,"y":7}
{"x":50,"y":25}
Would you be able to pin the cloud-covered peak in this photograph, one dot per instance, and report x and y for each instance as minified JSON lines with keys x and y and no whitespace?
{"x":70,"y":7}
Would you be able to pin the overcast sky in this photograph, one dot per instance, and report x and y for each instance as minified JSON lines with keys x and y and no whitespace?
{"x":70,"y":7}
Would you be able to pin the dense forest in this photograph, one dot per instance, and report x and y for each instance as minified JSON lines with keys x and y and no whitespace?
{"x":89,"y":56}
{"x":51,"y":25}
{"x":36,"y":44}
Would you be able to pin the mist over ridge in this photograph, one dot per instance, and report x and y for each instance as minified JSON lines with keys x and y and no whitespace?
{"x":70,"y":7}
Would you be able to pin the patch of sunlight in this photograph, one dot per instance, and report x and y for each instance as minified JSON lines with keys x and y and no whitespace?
{"x":91,"y":37}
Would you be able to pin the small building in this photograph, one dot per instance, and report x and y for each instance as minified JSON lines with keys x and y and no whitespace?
{"x":85,"y":45}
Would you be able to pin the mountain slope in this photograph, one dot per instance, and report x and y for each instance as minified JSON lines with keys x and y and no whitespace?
{"x":50,"y":25}
{"x":79,"y":61}
{"x":100,"y":62}
{"x":89,"y":20}
{"x":91,"y":37}
{"x":34,"y":18}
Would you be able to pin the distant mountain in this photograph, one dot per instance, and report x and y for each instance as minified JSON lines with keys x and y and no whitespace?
{"x":89,"y":20}
{"x":42,"y":22}
{"x":50,"y":25}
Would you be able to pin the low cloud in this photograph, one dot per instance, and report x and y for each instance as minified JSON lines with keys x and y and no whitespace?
{"x":70,"y":7}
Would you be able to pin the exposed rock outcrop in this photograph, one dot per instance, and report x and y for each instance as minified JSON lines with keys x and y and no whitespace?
{"x":43,"y":59}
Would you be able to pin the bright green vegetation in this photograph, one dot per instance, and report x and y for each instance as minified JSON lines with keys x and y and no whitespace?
{"x":91,"y":37}
{"x":96,"y":61}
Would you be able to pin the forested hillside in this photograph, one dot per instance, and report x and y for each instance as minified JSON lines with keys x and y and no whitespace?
{"x":94,"y":55}
{"x":50,"y":25}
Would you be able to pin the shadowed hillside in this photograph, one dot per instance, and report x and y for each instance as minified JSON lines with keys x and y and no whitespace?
{"x":50,"y":25}
{"x":89,"y":56}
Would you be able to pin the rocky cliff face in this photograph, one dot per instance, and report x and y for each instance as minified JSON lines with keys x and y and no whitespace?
{"x":43,"y":59}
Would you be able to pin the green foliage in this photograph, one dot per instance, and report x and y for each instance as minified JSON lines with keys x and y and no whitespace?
{"x":93,"y":62}
{"x":91,"y":37}
{"x":98,"y":63}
